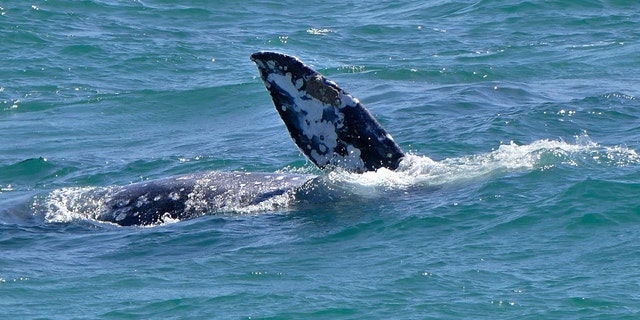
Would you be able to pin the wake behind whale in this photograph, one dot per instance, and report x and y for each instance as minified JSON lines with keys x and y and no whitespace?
{"x":335,"y":132}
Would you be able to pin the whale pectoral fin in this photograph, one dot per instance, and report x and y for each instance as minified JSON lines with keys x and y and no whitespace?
{"x":331,"y":127}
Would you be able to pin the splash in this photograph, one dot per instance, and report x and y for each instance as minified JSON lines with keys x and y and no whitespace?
{"x":72,"y":204}
{"x":421,"y":171}
{"x":272,"y":204}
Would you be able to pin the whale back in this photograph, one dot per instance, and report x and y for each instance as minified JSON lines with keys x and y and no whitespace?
{"x":330,"y":126}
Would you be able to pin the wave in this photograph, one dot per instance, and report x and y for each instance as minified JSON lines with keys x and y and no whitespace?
{"x":423,"y":172}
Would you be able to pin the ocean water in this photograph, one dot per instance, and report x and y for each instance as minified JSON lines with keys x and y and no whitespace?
{"x":519,"y":199}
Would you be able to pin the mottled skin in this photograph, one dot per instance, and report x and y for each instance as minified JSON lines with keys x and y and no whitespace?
{"x":193,"y":195}
{"x":329,"y":125}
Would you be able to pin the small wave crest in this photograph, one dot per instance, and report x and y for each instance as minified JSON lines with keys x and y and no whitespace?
{"x":421,"y":171}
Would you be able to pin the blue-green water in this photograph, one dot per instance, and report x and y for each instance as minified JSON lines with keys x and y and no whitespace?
{"x":529,"y":111}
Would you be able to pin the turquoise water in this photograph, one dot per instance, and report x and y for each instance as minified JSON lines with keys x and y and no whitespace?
{"x":520,"y":198}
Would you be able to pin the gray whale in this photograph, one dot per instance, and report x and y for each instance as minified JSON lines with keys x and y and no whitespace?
{"x":331,"y":127}
{"x":193,"y":195}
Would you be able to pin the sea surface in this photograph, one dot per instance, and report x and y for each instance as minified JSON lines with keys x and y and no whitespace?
{"x":520,"y":196}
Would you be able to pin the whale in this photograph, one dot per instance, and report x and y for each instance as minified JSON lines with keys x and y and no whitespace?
{"x":330,"y":126}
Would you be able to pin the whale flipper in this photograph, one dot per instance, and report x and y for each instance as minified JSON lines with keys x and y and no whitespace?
{"x":331,"y":127}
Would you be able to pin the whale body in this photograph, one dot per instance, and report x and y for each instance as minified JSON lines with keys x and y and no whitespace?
{"x":193,"y":195}
{"x":331,"y":127}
